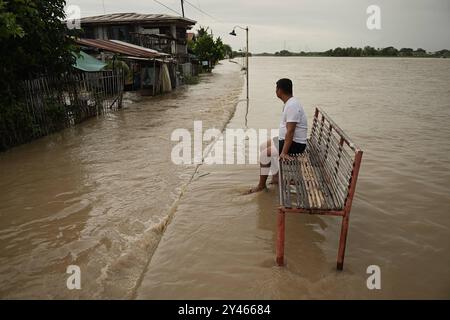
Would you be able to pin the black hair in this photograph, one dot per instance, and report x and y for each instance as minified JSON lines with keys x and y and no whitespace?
{"x":285,"y":85}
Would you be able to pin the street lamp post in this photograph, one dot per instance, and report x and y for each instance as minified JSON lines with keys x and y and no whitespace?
{"x":233,"y":33}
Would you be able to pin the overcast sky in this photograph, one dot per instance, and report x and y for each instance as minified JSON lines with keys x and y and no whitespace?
{"x":304,"y":25}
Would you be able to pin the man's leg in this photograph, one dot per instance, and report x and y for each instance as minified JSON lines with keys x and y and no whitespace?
{"x":265,"y":166}
{"x":274,"y":179}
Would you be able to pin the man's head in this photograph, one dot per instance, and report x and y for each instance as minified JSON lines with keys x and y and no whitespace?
{"x":284,"y":89}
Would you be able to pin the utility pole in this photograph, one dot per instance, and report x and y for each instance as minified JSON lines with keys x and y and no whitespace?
{"x":182,"y":7}
{"x":246,"y":70}
{"x":247,"y":67}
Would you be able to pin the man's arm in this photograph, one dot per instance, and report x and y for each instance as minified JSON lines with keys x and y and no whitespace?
{"x":290,"y":126}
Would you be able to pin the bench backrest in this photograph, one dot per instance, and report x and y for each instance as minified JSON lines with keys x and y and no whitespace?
{"x":337,"y":156}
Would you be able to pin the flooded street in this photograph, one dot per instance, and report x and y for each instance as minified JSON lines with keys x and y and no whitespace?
{"x":221,"y":245}
{"x":100,"y":195}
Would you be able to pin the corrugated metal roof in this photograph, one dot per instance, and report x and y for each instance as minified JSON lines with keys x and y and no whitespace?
{"x":121,"y":47}
{"x":135,"y":18}
{"x":139,"y":47}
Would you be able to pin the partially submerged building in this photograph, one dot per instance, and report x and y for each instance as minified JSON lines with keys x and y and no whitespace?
{"x":149,"y":71}
{"x":163,"y":33}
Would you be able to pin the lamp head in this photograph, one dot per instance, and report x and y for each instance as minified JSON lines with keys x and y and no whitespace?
{"x":233,"y":33}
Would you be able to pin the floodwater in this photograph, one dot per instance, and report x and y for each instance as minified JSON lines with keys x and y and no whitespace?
{"x":100,"y":195}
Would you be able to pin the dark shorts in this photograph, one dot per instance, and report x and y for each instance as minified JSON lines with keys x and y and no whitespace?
{"x":296,"y":148}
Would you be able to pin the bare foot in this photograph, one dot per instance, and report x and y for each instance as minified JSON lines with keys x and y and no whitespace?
{"x":274,"y":181}
{"x":254,"y":190}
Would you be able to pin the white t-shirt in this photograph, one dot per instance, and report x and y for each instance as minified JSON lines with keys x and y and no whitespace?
{"x":293,"y":112}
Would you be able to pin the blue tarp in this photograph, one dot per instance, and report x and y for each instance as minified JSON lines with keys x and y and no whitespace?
{"x":87,"y":63}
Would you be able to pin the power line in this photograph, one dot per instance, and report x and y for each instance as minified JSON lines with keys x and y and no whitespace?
{"x":200,"y":10}
{"x":167,"y":7}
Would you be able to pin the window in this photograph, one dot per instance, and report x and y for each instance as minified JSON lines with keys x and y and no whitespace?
{"x":89,"y":33}
{"x":121,"y":33}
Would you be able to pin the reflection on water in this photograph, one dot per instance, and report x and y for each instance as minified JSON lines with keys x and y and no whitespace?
{"x":222,"y":245}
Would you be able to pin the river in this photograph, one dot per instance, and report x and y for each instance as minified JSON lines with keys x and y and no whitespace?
{"x":105,"y":196}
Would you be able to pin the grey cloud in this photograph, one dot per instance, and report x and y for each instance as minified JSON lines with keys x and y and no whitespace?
{"x":307,"y":24}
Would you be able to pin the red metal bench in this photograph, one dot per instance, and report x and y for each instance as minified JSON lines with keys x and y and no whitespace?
{"x":320,"y":181}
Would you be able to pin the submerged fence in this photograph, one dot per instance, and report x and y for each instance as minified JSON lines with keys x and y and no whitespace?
{"x":54,"y":103}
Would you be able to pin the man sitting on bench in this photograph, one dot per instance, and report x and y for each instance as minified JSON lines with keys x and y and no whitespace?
{"x":292,"y":136}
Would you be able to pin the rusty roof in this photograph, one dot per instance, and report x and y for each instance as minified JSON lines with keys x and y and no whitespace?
{"x":121,"y":48}
{"x":122,"y":18}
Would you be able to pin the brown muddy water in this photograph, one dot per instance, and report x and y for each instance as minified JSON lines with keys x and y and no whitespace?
{"x":100,"y":195}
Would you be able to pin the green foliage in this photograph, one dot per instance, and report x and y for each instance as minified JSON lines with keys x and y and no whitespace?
{"x":8,"y":24}
{"x":120,"y":65}
{"x":406,"y":52}
{"x":16,"y":124}
{"x":207,"y":49}
{"x":56,"y":113}
{"x":369,"y":51}
{"x":284,"y":53}
{"x":228,"y":51}
{"x":34,"y":41}
{"x":241,"y":53}
{"x":389,"y":52}
{"x":366,"y":52}
{"x":203,"y":46}
{"x":442,"y":54}
{"x":218,"y":50}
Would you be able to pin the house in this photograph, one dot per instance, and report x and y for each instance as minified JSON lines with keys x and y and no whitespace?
{"x":161,"y":32}
{"x":128,"y":35}
{"x":148,"y":71}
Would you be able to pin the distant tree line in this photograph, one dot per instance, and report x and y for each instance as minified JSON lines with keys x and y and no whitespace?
{"x":240,"y":53}
{"x":367,"y":51}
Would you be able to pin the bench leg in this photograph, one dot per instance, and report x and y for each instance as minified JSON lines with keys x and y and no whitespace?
{"x":343,"y":242}
{"x":281,"y":227}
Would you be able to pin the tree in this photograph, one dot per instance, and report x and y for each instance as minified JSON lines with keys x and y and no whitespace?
{"x":208,"y":49}
{"x":8,"y":24}
{"x":284,"y":53}
{"x":406,"y":52}
{"x":203,"y":46}
{"x":34,"y":42}
{"x":228,"y":51}
{"x":34,"y":39}
{"x":389,"y":52}
{"x":218,"y":51}
{"x":420,"y":52}
{"x":369,"y":51}
{"x":338,"y":52}
{"x":442,"y":53}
